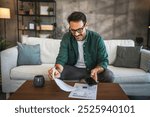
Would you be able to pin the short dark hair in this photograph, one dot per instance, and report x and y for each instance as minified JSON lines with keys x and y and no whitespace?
{"x":77,"y":16}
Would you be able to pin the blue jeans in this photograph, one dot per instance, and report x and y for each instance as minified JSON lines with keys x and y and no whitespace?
{"x":74,"y":73}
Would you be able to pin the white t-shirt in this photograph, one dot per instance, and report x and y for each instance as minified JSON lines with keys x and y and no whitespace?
{"x":80,"y":62}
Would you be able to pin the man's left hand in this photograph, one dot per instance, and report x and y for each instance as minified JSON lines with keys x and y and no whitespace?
{"x":95,"y":71}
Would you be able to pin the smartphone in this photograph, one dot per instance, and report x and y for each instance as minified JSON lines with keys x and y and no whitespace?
{"x":90,"y":81}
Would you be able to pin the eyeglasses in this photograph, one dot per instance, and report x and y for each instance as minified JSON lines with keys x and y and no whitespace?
{"x":79,"y":30}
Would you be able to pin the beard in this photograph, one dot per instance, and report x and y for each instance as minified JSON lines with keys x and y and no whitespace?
{"x":79,"y":37}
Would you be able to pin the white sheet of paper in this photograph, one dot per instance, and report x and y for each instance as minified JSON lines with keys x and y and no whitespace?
{"x":84,"y":91}
{"x":62,"y":85}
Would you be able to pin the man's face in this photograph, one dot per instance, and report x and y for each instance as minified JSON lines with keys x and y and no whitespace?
{"x":78,"y":30}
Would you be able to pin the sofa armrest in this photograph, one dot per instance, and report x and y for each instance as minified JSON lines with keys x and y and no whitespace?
{"x":145,"y":60}
{"x":8,"y":61}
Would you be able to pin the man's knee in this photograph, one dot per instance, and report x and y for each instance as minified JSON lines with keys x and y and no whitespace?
{"x":106,"y":76}
{"x":109,"y":76}
{"x":72,"y":73}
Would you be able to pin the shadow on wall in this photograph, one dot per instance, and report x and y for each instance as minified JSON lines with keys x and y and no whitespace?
{"x":112,"y":19}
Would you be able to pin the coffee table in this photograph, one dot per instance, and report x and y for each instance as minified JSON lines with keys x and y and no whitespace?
{"x":50,"y":91}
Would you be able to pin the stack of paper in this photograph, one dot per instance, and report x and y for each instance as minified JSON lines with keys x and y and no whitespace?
{"x":84,"y":91}
{"x":81,"y":91}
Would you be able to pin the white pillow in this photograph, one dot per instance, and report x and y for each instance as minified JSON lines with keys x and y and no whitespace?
{"x":49,"y":48}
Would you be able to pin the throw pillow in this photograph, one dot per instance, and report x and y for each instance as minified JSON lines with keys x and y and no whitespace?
{"x":28,"y":54}
{"x":127,"y":57}
{"x":145,"y":60}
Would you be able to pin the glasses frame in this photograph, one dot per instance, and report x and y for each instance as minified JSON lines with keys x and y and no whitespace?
{"x":79,"y":30}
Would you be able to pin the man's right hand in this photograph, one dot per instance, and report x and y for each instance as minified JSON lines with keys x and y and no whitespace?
{"x":53,"y":73}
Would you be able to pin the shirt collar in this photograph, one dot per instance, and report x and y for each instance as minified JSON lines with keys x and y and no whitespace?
{"x":86,"y":37}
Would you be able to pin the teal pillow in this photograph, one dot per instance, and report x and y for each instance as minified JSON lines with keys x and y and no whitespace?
{"x":127,"y":57}
{"x":28,"y":54}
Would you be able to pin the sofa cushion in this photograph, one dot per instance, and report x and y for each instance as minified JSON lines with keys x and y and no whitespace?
{"x":129,"y":75}
{"x":111,"y":47}
{"x":128,"y":57}
{"x":49,"y":48}
{"x":137,"y":89}
{"x":27,"y":72}
{"x":145,"y":60}
{"x":28,"y":54}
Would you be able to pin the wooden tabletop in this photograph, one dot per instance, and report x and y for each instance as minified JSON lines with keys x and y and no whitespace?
{"x":50,"y":91}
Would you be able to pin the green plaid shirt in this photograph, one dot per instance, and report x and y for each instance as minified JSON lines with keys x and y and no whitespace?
{"x":94,"y":51}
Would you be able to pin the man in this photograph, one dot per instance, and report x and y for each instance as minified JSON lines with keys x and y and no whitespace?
{"x":82,"y":54}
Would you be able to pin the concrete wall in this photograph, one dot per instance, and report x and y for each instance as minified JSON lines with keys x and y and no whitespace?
{"x":111,"y":18}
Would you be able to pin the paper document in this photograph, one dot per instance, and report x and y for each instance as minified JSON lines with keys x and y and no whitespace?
{"x":62,"y":85}
{"x":84,"y":91}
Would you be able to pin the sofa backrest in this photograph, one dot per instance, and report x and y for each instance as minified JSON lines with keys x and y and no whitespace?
{"x":50,"y":47}
{"x":111,"y":47}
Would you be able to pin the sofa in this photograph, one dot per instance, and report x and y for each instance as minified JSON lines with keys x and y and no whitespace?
{"x":14,"y":76}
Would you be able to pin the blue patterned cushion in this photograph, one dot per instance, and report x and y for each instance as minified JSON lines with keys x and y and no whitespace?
{"x":28,"y":54}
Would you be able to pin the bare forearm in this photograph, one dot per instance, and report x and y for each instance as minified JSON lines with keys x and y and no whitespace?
{"x":99,"y":69}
